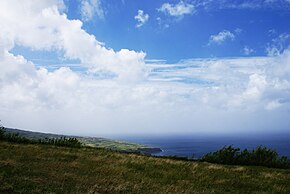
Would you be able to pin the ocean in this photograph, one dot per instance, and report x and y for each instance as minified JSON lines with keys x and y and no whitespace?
{"x":198,"y":145}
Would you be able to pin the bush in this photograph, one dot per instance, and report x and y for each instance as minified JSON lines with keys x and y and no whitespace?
{"x":2,"y":131}
{"x":226,"y":155}
{"x":14,"y":137}
{"x":63,"y":141}
{"x":261,"y":156}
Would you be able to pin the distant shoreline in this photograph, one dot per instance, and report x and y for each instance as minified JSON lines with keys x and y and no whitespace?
{"x":99,"y":142}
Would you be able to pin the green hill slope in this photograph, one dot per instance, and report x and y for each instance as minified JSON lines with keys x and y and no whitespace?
{"x":90,"y":141}
{"x":49,"y":169}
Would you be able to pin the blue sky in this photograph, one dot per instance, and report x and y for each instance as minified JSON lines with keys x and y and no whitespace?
{"x":184,"y":66}
{"x":174,"y":38}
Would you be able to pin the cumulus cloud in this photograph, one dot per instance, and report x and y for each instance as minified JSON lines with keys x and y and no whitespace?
{"x":45,"y":20}
{"x":91,"y":8}
{"x":177,"y":10}
{"x":197,"y":95}
{"x":221,"y":37}
{"x":141,"y":18}
{"x":228,"y":91}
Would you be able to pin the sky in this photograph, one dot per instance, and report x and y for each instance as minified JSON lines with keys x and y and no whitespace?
{"x":106,"y":67}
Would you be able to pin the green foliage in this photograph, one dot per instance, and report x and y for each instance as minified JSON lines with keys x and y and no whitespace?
{"x":261,"y":156}
{"x":37,"y":168}
{"x":226,"y":155}
{"x":2,"y":131}
{"x":14,"y":137}
{"x":63,"y":141}
{"x":85,"y":141}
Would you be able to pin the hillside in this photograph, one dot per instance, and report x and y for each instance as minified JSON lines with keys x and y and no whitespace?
{"x":28,"y":168}
{"x":90,"y":141}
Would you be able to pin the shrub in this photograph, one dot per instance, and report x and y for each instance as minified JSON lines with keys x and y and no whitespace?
{"x":2,"y":131}
{"x":261,"y":156}
{"x":63,"y":141}
{"x":226,"y":155}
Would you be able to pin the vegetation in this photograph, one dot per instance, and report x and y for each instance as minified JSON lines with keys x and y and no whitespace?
{"x":2,"y":131}
{"x":62,"y":141}
{"x":111,"y":144}
{"x":37,"y":168}
{"x":86,"y":141}
{"x":261,"y":156}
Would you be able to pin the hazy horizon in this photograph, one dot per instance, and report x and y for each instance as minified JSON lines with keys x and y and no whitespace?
{"x":153,"y":67}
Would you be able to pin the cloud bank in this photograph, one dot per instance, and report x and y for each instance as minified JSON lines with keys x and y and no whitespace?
{"x":131,"y":96}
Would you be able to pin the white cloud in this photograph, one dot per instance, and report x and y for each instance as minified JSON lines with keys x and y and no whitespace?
{"x":236,"y":91}
{"x":238,"y":30}
{"x":90,"y":8}
{"x":142,"y":18}
{"x":44,"y":20}
{"x":161,"y":23}
{"x":278,"y":44}
{"x":247,"y":50}
{"x":177,"y":10}
{"x":198,"y":95}
{"x":221,"y":37}
{"x":256,"y":87}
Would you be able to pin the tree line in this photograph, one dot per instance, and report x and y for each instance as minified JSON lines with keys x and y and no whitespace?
{"x":260,"y":156}
{"x":15,"y":137}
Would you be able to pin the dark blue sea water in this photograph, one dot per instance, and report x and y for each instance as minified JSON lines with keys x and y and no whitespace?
{"x":187,"y":145}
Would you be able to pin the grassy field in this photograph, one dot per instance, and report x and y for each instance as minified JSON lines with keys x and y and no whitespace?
{"x":111,"y":144}
{"x":50,"y":169}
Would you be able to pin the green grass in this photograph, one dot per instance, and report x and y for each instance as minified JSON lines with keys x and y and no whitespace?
{"x":110,"y":144}
{"x":26,"y":168}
